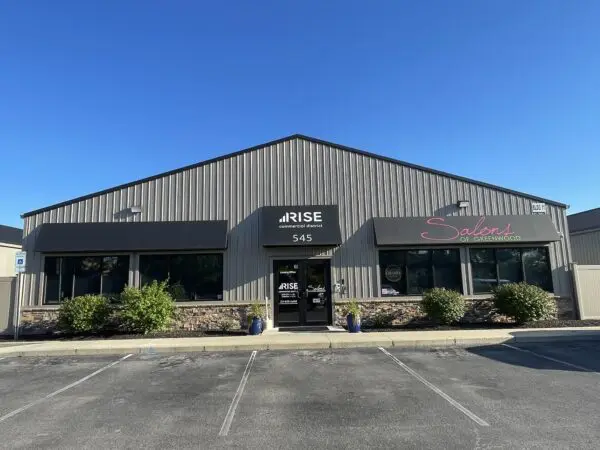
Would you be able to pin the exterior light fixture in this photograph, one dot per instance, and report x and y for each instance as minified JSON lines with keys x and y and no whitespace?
{"x":135,"y":210}
{"x":463,"y":203}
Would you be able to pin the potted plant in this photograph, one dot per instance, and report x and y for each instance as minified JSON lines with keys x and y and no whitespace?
{"x":255,"y":319}
{"x":353,"y":317}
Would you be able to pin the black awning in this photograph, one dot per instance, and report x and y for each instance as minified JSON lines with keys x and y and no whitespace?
{"x":464,"y":230}
{"x":131,"y":236}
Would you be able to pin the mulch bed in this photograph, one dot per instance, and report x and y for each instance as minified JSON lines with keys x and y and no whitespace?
{"x":486,"y":325}
{"x":124,"y":335}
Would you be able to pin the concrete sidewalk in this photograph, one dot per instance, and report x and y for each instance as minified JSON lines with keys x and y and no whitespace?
{"x":301,"y":341}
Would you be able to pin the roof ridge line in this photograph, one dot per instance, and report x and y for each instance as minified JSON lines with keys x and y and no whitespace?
{"x":278,"y":141}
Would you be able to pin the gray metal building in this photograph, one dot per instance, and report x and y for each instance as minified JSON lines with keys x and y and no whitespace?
{"x":303,"y":256}
{"x":584,"y":229}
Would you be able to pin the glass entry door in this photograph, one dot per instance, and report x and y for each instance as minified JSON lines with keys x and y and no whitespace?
{"x":302,"y":292}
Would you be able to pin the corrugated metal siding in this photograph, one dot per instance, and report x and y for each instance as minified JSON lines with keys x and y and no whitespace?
{"x":296,"y":172}
{"x":586,"y":247}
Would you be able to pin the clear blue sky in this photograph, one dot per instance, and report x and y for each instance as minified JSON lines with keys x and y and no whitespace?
{"x":98,"y":93}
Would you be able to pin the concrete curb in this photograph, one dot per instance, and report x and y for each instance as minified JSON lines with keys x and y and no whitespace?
{"x":300,"y":341}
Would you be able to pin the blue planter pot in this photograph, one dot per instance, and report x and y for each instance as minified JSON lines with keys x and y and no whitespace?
{"x":353,"y":325}
{"x":256,"y":327}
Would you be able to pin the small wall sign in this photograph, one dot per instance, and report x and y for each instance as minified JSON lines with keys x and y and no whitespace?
{"x":538,"y":208}
{"x":20,"y":262}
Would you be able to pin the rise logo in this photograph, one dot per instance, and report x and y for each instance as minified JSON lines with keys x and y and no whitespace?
{"x":302,"y":217}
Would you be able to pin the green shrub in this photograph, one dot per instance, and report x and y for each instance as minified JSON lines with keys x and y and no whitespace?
{"x":353,"y":308}
{"x":148,"y":309}
{"x":227,"y":324}
{"x":381,"y":320}
{"x":84,"y":314}
{"x":443,"y":306}
{"x":524,"y":302}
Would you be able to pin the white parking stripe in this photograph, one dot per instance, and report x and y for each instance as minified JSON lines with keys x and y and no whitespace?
{"x":461,"y":408}
{"x":236,"y":398}
{"x":549,"y":358}
{"x":93,"y":374}
{"x":4,"y":357}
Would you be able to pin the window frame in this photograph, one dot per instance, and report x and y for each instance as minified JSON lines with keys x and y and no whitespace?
{"x":44,"y":284}
{"x":520,"y":248}
{"x":222,"y":253}
{"x":461,"y":273}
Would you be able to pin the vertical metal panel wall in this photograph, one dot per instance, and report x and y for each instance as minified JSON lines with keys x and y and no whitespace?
{"x":295,"y":172}
{"x":586,"y":247}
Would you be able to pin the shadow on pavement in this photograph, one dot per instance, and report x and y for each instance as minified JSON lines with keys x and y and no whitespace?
{"x":555,"y":335}
{"x":579,"y":351}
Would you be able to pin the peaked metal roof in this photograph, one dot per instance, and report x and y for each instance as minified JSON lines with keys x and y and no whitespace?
{"x":585,"y":220}
{"x":11,"y":235}
{"x":289,"y":138}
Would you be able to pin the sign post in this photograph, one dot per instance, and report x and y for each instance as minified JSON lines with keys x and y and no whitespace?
{"x":20,"y":264}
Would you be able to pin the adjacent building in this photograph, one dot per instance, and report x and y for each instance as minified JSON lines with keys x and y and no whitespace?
{"x":302,"y":224}
{"x":10,"y":244}
{"x":584,"y":229}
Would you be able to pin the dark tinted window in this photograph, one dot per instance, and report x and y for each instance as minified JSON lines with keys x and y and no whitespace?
{"x":414,"y":271}
{"x":191,"y":276}
{"x":87,"y":275}
{"x":115,"y":273}
{"x":52,"y":271}
{"x":509,"y":265}
{"x":446,"y":269}
{"x":393,"y":273}
{"x":494,"y":266}
{"x":536,"y":265}
{"x":419,"y":271}
{"x":72,"y":276}
{"x":483,"y":268}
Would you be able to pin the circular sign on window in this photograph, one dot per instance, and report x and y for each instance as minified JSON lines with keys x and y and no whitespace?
{"x":393,"y":273}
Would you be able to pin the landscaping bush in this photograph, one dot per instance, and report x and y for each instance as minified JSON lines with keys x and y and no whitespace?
{"x":85,"y":314}
{"x":524,"y":302}
{"x":381,"y":320}
{"x":443,"y":306}
{"x":148,"y":309}
{"x":227,"y":324}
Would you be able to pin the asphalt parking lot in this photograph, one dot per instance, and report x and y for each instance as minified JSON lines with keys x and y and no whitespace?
{"x":534,"y":396}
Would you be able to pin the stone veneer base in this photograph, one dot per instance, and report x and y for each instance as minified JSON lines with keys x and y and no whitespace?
{"x":233,"y":316}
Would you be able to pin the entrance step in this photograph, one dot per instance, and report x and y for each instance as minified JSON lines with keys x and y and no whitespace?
{"x":308,"y":329}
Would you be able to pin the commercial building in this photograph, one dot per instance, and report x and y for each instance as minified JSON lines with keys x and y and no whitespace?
{"x":584,"y":229}
{"x":305,"y":223}
{"x":10,"y":244}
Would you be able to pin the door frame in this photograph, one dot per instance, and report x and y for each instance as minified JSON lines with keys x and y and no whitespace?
{"x":273,"y":291}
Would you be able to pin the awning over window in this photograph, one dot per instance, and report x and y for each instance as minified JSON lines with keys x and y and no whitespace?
{"x":132,"y":236}
{"x":464,"y":230}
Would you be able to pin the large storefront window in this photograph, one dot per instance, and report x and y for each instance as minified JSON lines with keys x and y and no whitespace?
{"x":411,"y":272}
{"x":72,"y":276}
{"x":191,"y":276}
{"x":494,"y":266}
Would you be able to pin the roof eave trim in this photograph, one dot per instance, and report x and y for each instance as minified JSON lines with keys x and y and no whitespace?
{"x":289,"y":138}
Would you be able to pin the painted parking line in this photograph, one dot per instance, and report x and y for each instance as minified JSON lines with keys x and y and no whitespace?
{"x":61,"y":390}
{"x":3,"y":357}
{"x":478,"y":420}
{"x":236,"y":398}
{"x":549,"y":358}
